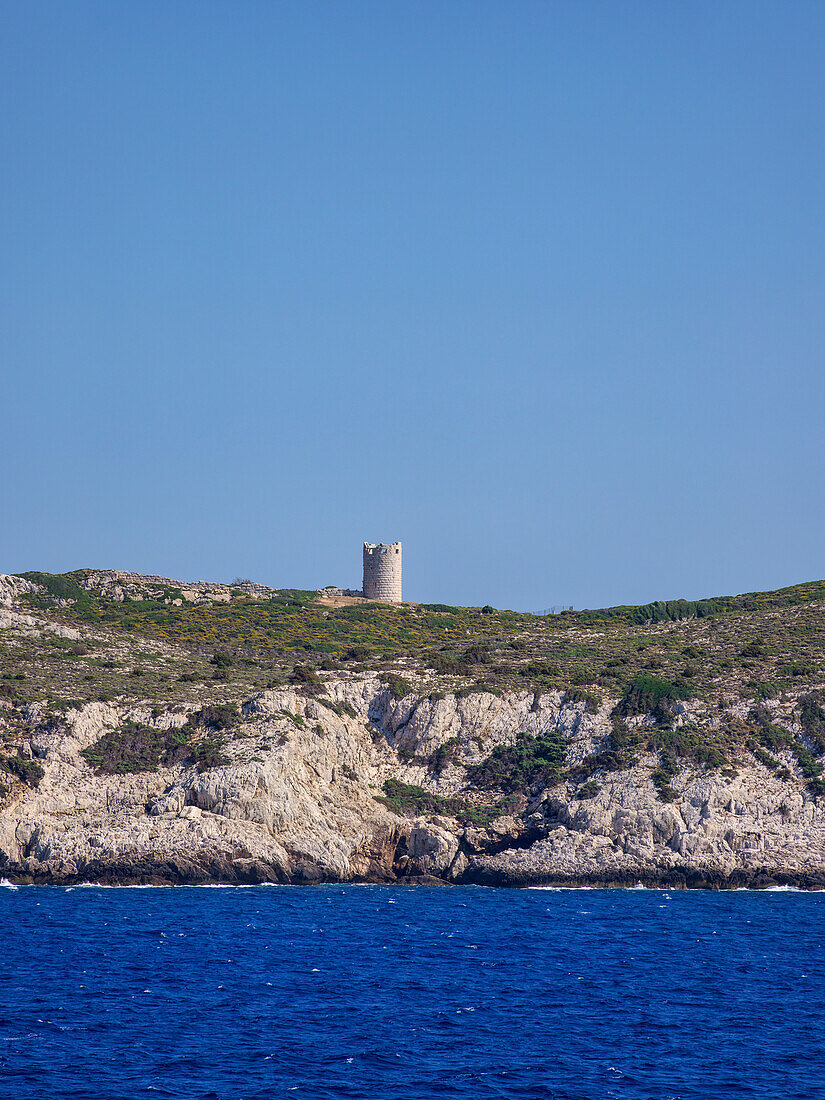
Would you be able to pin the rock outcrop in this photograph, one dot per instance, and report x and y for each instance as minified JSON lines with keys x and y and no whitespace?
{"x":299,"y":801}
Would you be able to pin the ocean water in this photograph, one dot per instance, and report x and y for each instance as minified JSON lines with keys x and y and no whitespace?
{"x":369,"y":991}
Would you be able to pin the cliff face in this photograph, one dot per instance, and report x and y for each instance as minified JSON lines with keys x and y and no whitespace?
{"x":298,"y":799}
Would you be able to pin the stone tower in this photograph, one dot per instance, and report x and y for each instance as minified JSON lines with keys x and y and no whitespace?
{"x":382,"y":572}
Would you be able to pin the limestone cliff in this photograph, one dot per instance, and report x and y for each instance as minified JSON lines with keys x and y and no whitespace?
{"x":298,"y":799}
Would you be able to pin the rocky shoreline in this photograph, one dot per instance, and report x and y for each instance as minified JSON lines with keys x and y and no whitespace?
{"x":297,"y":799}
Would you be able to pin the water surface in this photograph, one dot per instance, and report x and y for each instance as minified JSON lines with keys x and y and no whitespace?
{"x":367,"y":991}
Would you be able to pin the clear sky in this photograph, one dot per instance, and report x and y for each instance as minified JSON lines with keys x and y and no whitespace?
{"x":535,"y":287}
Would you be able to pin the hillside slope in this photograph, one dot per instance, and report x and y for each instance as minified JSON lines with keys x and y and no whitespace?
{"x":158,"y":731}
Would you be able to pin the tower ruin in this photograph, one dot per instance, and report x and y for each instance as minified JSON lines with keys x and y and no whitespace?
{"x":382,"y":571}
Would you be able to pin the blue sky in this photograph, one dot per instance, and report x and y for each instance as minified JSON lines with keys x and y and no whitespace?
{"x":535,"y":287}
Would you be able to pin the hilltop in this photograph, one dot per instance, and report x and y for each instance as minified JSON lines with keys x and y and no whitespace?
{"x":159,"y":729}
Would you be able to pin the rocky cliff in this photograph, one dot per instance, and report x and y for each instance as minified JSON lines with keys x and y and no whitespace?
{"x":298,"y":800}
{"x":159,"y":731}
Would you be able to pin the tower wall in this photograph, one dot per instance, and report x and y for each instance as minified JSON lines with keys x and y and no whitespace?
{"x":382,"y":571}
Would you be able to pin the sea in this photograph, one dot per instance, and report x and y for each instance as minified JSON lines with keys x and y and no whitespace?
{"x":244,"y":993}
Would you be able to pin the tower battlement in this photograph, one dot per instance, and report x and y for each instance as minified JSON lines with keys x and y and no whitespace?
{"x":382,"y":571}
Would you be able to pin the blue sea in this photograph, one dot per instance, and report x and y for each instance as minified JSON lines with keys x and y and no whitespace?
{"x":380,"y":992}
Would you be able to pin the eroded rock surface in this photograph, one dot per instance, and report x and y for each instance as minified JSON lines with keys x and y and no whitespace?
{"x":297,"y":802}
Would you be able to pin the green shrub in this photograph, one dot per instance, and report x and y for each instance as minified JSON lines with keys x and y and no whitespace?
{"x":530,"y":760}
{"x":764,"y":758}
{"x":620,"y":752}
{"x":295,"y":719}
{"x":762,"y":690}
{"x":588,"y":790}
{"x":207,"y":754}
{"x":306,"y":677}
{"x":668,"y":768}
{"x":443,"y":755}
{"x":592,"y":699}
{"x":219,"y":717}
{"x":801,"y":668}
{"x":398,"y":686}
{"x":773,"y":736}
{"x":702,"y":746}
{"x":341,"y":709}
{"x":540,"y":670}
{"x":448,"y":664}
{"x":812,"y":720}
{"x":407,"y":799}
{"x":61,"y":586}
{"x":481,"y":687}
{"x":647,"y":694}
{"x":357,"y":653}
{"x":28,"y":770}
{"x":135,"y":747}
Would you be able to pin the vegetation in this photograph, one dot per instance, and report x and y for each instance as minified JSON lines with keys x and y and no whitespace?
{"x":28,"y":770}
{"x":770,"y":735}
{"x":812,"y":720}
{"x":757,"y":647}
{"x":135,"y":747}
{"x":529,"y":761}
{"x":398,"y":686}
{"x":406,"y":799}
{"x":649,"y":694}
{"x":588,"y":790}
{"x":443,"y":755}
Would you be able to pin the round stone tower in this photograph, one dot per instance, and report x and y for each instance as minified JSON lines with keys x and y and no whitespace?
{"x":382,"y":572}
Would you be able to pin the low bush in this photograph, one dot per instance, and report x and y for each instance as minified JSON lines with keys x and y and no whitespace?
{"x":443,"y":755}
{"x":668,"y":768}
{"x":307,"y":678}
{"x":357,"y":653}
{"x":764,"y":758}
{"x":773,"y":736}
{"x":703,"y":746}
{"x":588,"y":790}
{"x":539,"y":671}
{"x":407,"y":799}
{"x":448,"y":664}
{"x":531,"y":760}
{"x":620,"y":751}
{"x":812,"y":720}
{"x":28,"y":770}
{"x":592,"y":699}
{"x":648,"y":694}
{"x":207,"y":754}
{"x":219,"y":717}
{"x":398,"y":686}
{"x":134,"y":747}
